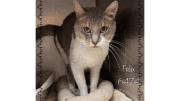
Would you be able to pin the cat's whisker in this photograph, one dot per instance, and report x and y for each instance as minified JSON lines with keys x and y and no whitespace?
{"x":122,"y":46}
{"x":109,"y":62}
{"x":105,"y":50}
{"x":107,"y":55}
{"x":113,"y":55}
{"x":120,"y":52}
{"x":63,"y":58}
{"x":116,"y":53}
{"x":117,"y":42}
{"x":77,"y":52}
{"x":115,"y":58}
{"x":82,"y":52}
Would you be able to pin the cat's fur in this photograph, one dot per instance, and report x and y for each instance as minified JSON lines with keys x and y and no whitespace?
{"x":81,"y":50}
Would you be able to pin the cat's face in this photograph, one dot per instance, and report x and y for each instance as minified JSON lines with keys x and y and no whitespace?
{"x":95,"y":27}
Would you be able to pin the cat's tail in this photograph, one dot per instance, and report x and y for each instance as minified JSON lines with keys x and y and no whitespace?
{"x":42,"y":31}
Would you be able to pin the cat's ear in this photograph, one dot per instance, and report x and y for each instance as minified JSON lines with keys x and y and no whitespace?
{"x":78,"y":9}
{"x":111,"y":10}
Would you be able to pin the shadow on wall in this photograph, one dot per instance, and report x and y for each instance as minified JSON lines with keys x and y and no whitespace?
{"x":127,"y":35}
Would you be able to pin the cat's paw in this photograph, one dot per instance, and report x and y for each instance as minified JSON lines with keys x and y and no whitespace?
{"x":72,"y":89}
{"x":76,"y":92}
{"x":93,"y":88}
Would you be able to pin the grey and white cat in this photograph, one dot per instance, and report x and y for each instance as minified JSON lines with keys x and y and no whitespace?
{"x":84,"y":44}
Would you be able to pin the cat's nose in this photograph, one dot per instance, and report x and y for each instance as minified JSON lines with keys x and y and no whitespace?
{"x":95,"y":43}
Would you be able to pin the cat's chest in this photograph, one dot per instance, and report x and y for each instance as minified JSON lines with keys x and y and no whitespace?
{"x":94,"y":55}
{"x":88,"y":57}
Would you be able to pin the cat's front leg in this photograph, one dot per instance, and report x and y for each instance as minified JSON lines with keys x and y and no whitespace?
{"x":95,"y":72}
{"x":70,"y":78}
{"x":80,"y":79}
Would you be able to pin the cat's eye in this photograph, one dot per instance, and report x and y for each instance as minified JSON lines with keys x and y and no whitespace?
{"x":103,"y":29}
{"x":87,"y":29}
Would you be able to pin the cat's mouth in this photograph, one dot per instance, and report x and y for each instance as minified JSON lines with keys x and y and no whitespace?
{"x":95,"y":46}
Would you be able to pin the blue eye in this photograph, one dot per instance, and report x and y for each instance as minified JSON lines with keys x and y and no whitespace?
{"x":87,"y":29}
{"x":103,"y":29}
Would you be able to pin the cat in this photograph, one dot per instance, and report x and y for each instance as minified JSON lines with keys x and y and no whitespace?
{"x":85,"y":43}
